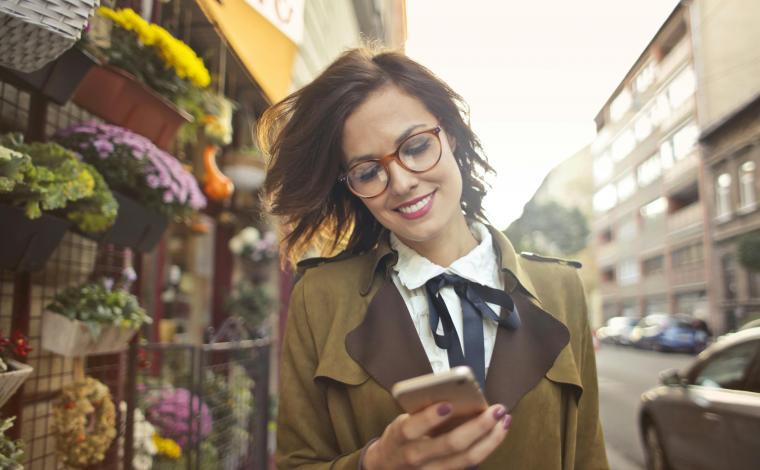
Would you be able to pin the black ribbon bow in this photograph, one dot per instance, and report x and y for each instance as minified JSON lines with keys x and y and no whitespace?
{"x":474,"y":298}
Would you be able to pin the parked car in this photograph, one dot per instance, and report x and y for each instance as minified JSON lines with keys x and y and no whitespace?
{"x":707,"y":416}
{"x":617,"y":330}
{"x":664,"y":332}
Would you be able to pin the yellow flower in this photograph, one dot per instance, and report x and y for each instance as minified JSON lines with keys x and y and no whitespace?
{"x":167,"y":447}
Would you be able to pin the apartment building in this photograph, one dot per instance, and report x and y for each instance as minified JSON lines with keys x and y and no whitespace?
{"x":649,"y":230}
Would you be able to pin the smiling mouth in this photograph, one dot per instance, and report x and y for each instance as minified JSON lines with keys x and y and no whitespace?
{"x":415,"y":206}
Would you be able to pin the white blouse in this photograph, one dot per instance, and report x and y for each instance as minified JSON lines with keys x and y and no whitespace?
{"x":411,"y":273}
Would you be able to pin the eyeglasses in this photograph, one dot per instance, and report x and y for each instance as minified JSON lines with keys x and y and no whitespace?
{"x":418,"y":153}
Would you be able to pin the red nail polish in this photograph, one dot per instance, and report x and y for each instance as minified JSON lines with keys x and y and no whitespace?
{"x":499,"y":413}
{"x":507,"y":422}
{"x":444,"y":409}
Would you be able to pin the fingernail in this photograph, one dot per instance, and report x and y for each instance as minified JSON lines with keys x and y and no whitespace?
{"x":507,"y":422}
{"x":444,"y":409}
{"x":499,"y":413}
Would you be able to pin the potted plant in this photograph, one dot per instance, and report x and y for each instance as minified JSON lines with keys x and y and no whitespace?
{"x":37,"y":182}
{"x":94,"y":318}
{"x":11,"y":452}
{"x":255,"y":251}
{"x":12,"y":372}
{"x":251,"y":302}
{"x":150,"y":184}
{"x":149,"y":72}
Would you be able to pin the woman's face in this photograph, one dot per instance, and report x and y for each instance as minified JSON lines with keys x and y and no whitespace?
{"x":417,"y":207}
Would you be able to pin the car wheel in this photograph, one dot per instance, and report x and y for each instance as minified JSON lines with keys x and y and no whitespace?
{"x":655,"y":453}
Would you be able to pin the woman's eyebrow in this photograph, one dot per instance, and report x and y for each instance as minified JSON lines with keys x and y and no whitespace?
{"x":398,"y":141}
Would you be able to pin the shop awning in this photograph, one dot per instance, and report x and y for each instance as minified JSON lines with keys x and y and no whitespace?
{"x":263,"y":48}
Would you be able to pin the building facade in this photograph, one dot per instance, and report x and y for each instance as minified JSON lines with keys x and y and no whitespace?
{"x":648,"y":226}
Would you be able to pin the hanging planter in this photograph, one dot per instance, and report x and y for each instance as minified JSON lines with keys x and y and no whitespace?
{"x":73,"y":338}
{"x":117,"y":97}
{"x":136,"y":226}
{"x":11,"y":380}
{"x":29,"y":244}
{"x":36,"y":32}
{"x":57,"y":80}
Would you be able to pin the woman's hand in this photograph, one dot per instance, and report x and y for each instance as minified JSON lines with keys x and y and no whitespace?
{"x":406,"y":442}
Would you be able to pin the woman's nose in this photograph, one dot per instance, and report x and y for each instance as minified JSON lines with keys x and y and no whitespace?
{"x":402,"y":181}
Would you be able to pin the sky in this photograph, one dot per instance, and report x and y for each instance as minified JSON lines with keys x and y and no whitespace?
{"x":534,"y":75}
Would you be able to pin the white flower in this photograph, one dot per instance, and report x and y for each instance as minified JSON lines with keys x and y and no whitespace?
{"x":236,"y":245}
{"x":250,"y":235}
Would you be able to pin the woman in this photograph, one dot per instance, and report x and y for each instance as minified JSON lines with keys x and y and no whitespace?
{"x":374,"y":156}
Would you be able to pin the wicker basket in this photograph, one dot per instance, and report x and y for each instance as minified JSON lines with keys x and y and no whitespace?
{"x":72,"y":338}
{"x":11,"y":381}
{"x":35,"y":32}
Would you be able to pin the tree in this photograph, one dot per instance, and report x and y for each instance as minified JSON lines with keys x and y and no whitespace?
{"x":748,"y":250}
{"x":550,"y":229}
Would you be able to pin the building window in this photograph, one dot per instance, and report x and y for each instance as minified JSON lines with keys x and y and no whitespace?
{"x":747,"y":197}
{"x":682,"y":87}
{"x":605,"y":199}
{"x":623,"y":145}
{"x":688,"y":256}
{"x":605,"y":236}
{"x":645,"y":78}
{"x":728,"y":266}
{"x":649,"y":171}
{"x":608,"y":274}
{"x":602,"y":168}
{"x":657,"y":304}
{"x":654,"y":209}
{"x":653,"y":265}
{"x":628,"y":272}
{"x":620,"y":105}
{"x":643,"y":126}
{"x":626,"y":186}
{"x":660,"y":109}
{"x":684,"y":140}
{"x":723,"y":196}
{"x":666,"y":154}
{"x":627,"y":229}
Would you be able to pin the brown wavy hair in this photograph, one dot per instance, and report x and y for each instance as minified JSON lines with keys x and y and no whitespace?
{"x":302,"y":136}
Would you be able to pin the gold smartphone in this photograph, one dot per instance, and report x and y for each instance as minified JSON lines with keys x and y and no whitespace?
{"x":456,"y":386}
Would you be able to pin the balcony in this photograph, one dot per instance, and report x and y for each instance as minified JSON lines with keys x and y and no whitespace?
{"x":693,"y":273}
{"x":685,"y":169}
{"x":652,"y":234}
{"x":673,"y":61}
{"x":690,"y":217}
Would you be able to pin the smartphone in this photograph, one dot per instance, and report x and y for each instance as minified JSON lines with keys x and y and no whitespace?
{"x":457,"y":386}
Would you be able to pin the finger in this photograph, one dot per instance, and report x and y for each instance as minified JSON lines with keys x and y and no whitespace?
{"x":479,"y":451}
{"x":419,"y":424}
{"x":460,"y":438}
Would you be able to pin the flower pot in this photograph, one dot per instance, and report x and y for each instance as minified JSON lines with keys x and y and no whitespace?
{"x":117,"y":97}
{"x":29,"y":244}
{"x":72,"y":338}
{"x":57,"y":80}
{"x":11,"y":380}
{"x":136,"y":226}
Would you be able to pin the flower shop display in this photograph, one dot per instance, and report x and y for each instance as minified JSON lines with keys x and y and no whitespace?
{"x":12,"y":372}
{"x":141,"y":174}
{"x":58,"y":80}
{"x":37,"y":182}
{"x":169,"y":411}
{"x":11,"y":452}
{"x":84,"y":421}
{"x":149,"y":73}
{"x":145,"y":447}
{"x":35,"y":32}
{"x":94,"y":318}
{"x":255,"y":251}
{"x":216,"y":185}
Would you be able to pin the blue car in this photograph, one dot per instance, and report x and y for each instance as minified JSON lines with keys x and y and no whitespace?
{"x":664,"y":332}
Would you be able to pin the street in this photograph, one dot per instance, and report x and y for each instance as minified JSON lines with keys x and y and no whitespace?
{"x":624,"y":374}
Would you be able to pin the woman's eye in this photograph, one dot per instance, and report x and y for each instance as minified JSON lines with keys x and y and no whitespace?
{"x":368,"y":174}
{"x":417,"y":147}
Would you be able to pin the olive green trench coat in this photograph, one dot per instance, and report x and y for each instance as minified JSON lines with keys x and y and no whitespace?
{"x":349,"y":338}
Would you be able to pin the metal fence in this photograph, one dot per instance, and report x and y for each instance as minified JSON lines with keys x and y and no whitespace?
{"x":211,"y":400}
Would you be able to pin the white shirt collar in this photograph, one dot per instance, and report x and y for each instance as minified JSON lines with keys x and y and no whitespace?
{"x":479,"y":265}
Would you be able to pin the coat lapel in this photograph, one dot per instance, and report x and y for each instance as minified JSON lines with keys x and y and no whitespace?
{"x":386,"y":343}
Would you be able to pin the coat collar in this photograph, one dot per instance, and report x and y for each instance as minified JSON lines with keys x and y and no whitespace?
{"x":385,"y":343}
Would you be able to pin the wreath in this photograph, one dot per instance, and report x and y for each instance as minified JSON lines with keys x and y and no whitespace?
{"x":84,"y":422}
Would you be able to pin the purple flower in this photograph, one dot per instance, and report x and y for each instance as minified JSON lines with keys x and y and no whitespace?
{"x":170,"y":411}
{"x":168,"y":197}
{"x":103,"y":147}
{"x":153,"y":181}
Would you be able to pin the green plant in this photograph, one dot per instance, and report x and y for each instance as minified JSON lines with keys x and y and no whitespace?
{"x":47,"y":177}
{"x":11,"y":452}
{"x":97,"y":304}
{"x":249,"y":301}
{"x":748,"y":250}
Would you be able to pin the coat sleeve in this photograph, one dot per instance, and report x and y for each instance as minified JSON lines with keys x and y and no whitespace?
{"x":305,"y":438}
{"x":590,"y":452}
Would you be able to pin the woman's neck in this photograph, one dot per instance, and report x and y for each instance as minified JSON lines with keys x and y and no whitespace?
{"x":447,"y":248}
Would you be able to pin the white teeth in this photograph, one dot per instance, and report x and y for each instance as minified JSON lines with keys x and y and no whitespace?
{"x":416,"y":206}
